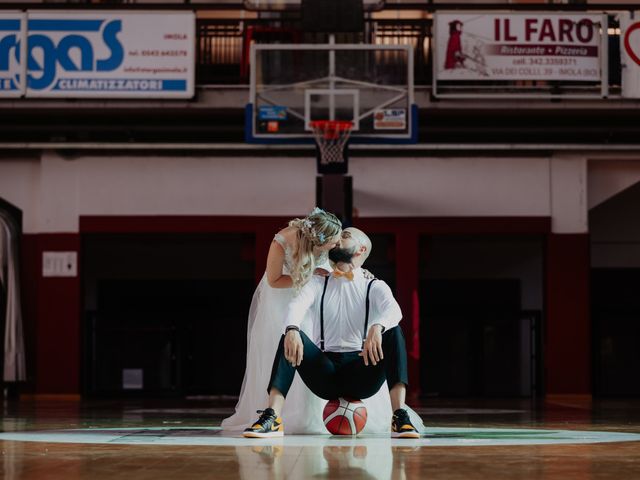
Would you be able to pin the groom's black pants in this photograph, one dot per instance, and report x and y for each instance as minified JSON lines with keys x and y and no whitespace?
{"x":343,"y":374}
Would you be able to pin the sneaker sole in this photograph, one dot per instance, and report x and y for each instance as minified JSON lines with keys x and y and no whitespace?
{"x":262,"y":435}
{"x":405,"y":435}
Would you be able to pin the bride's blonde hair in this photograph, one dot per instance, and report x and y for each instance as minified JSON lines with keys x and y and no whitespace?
{"x":314,"y":230}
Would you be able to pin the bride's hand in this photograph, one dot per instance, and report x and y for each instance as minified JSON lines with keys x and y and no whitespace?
{"x":367,"y":274}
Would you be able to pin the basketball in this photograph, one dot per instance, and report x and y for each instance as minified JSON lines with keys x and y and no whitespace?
{"x":344,"y":416}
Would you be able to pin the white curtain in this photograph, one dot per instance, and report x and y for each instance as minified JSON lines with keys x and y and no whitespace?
{"x":14,"y":363}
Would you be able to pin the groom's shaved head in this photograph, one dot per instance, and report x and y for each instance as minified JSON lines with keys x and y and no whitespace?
{"x":360,"y":238}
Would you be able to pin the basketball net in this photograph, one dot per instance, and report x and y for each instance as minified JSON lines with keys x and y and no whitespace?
{"x":331,"y":137}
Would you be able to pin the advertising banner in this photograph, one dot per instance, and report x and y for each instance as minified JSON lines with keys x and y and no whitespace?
{"x":12,"y":33}
{"x":630,"y":53}
{"x":98,"y":54}
{"x":390,"y":119}
{"x":517,"y":46}
{"x":111,"y":54}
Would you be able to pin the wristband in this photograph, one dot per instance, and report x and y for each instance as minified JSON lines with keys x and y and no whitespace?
{"x":291,"y":327}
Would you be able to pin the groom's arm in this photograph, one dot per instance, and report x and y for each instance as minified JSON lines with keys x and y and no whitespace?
{"x":386,"y":314}
{"x":386,"y":310}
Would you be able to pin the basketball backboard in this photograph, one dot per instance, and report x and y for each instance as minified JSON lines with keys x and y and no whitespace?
{"x":295,"y":84}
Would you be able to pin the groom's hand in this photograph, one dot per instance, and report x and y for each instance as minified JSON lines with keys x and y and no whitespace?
{"x":293,"y":348}
{"x":372,"y":351}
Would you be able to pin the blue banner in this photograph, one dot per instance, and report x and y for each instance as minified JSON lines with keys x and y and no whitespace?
{"x":98,"y":54}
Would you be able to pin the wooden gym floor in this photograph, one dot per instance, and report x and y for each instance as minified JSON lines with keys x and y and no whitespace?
{"x":166,"y":439}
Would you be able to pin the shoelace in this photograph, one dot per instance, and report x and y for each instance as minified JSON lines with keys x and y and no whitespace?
{"x":264,"y":416}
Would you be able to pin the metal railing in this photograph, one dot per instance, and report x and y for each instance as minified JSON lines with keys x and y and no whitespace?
{"x":223,"y":45}
{"x":223,"y":49}
{"x":219,"y":52}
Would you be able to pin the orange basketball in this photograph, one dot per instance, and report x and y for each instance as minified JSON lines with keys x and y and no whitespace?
{"x":344,"y":416}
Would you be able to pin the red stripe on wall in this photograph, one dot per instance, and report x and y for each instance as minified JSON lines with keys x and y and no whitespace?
{"x":30,"y":268}
{"x":238,"y":224}
{"x":52,"y":316}
{"x":407,"y":283}
{"x":568,"y":333}
{"x":180,"y":224}
{"x":456,"y":225}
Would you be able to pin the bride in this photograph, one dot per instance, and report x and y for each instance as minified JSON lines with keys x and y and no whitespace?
{"x":296,"y":253}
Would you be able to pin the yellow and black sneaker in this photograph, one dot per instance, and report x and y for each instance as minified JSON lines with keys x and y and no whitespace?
{"x":267,"y":425}
{"x":401,"y":426}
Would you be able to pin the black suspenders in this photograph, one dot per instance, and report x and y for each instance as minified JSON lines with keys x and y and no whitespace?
{"x":366,"y":315}
{"x":324,"y":290}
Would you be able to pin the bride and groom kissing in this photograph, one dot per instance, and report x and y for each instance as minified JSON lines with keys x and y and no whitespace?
{"x":317,"y":312}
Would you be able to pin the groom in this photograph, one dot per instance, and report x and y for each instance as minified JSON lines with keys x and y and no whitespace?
{"x":356,"y":345}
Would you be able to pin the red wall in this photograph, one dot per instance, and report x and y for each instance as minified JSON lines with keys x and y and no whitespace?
{"x":52,"y":306}
{"x":29,"y":274}
{"x":52,"y":317}
{"x":568,"y":334}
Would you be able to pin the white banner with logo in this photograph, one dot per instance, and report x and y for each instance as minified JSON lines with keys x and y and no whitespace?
{"x":630,"y":53}
{"x":12,"y":33}
{"x":103,"y":54}
{"x":517,"y":46}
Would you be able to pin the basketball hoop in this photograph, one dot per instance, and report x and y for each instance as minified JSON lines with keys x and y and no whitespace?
{"x":331,"y":137}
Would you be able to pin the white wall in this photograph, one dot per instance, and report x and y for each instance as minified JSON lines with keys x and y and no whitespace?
{"x":610,"y":177}
{"x":615,"y":224}
{"x":568,"y":176}
{"x":54,"y":191}
{"x":451,"y":186}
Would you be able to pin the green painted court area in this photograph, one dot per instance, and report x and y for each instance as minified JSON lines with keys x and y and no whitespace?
{"x":214,"y":436}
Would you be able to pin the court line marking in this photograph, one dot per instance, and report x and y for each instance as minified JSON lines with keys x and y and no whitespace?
{"x":215,"y":436}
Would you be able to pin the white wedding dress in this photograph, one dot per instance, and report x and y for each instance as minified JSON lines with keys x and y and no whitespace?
{"x":302,"y":412}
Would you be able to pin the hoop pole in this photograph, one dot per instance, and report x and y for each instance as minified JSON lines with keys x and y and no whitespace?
{"x":332,"y":78}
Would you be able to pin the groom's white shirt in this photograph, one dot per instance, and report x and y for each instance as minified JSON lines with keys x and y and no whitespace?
{"x":344,"y":310}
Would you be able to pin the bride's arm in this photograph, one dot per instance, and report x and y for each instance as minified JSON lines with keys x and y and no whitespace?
{"x":275,"y":262}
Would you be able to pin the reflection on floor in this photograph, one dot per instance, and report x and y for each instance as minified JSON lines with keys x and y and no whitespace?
{"x":180,"y":440}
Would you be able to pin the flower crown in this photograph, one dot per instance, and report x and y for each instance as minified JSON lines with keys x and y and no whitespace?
{"x":308,"y":229}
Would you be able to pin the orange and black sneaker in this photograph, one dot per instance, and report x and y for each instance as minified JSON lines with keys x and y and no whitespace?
{"x":401,"y":426}
{"x":267,"y":425}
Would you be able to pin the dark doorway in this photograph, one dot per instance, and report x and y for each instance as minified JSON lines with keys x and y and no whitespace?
{"x":481,"y":313}
{"x":381,"y":261}
{"x":472,"y":338}
{"x":615,"y":317}
{"x":615,"y":283}
{"x":166,"y":314}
